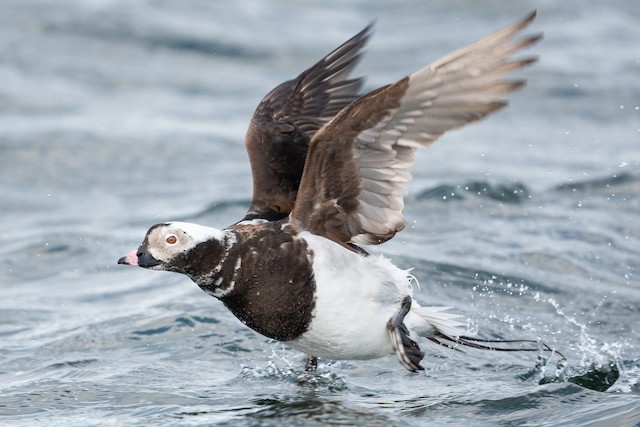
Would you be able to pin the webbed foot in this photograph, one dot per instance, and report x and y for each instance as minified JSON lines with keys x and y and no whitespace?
{"x":312,"y":364}
{"x":406,"y":349}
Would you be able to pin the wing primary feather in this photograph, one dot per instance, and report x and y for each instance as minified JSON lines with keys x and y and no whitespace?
{"x":361,"y":158}
{"x":287,"y":118}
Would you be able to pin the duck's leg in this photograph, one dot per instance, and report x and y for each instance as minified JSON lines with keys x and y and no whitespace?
{"x":407,"y":350}
{"x":312,"y":364}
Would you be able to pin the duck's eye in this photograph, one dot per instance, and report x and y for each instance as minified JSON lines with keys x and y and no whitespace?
{"x":171,"y":239}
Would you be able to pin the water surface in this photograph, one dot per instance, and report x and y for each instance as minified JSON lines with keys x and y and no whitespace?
{"x":117,"y":115}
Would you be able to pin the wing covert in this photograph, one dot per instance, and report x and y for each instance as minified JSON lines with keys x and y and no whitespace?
{"x":285,"y":120}
{"x":358,"y":164}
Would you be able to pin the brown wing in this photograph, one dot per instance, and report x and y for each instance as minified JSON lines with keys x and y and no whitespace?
{"x":283,"y":124}
{"x":358,"y":164}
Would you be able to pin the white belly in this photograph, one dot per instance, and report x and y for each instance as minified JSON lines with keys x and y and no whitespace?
{"x":355,"y":297}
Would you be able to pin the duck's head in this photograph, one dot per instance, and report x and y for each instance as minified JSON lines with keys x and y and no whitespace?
{"x":175,"y":246}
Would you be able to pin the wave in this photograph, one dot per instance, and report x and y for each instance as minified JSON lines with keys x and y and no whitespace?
{"x":595,"y":184}
{"x":508,"y":193}
{"x":517,"y":192}
{"x":122,"y":30}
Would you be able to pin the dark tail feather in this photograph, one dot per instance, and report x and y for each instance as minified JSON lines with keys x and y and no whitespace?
{"x":485,"y":344}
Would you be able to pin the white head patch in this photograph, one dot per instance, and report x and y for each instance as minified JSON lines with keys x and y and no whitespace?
{"x":168,"y":240}
{"x":199,"y":233}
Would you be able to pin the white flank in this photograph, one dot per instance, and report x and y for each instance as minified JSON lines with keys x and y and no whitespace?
{"x":355,"y":298}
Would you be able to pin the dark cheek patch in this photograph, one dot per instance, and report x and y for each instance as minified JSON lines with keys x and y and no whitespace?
{"x":198,"y":261}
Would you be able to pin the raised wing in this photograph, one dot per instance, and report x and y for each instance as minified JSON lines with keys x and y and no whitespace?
{"x":358,"y":164}
{"x":283,"y":124}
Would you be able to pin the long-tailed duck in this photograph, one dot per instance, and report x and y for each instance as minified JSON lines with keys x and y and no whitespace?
{"x":329,"y":173}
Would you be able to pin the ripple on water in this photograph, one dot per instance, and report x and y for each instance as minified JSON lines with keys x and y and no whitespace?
{"x":507,"y":193}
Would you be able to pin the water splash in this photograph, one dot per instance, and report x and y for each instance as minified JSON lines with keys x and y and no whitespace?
{"x":281,"y":368}
{"x":600,"y":365}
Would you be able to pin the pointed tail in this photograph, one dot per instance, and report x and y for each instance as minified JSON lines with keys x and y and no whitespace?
{"x":444,"y":328}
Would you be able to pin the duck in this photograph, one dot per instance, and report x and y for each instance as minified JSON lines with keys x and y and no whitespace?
{"x":330,"y":168}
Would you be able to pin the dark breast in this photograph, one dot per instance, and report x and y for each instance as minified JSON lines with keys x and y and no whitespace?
{"x":273,"y":289}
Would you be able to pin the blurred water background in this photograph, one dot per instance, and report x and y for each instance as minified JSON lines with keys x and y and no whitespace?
{"x":115,"y":115}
